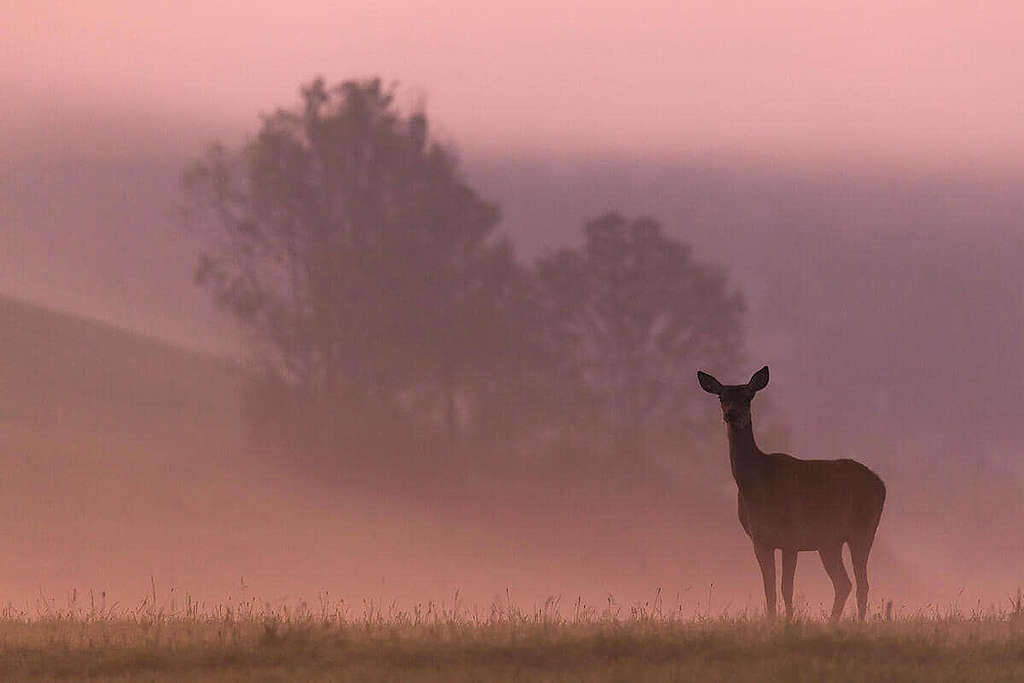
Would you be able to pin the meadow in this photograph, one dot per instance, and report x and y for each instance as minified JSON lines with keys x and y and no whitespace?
{"x":332,"y":641}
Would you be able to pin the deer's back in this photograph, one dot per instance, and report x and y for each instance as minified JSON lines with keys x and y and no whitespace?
{"x":808,"y":504}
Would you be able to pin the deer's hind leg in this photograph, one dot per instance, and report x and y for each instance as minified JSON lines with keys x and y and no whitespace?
{"x":832,"y":558}
{"x":859,"y":551}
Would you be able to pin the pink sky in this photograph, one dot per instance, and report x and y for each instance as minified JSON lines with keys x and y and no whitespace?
{"x":920,"y":81}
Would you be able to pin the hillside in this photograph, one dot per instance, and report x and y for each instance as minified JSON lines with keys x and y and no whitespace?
{"x":125,"y":467}
{"x":124,"y":459}
{"x":113,"y":447}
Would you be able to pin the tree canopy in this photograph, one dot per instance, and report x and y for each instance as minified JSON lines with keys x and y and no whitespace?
{"x":353,"y":252}
{"x":632,"y":313}
{"x":370,"y":280}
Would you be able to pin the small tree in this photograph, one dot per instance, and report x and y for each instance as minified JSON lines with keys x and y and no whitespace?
{"x":357,"y":259}
{"x":631,"y":314}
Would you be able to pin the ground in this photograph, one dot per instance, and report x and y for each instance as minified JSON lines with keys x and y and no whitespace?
{"x":434,"y":644}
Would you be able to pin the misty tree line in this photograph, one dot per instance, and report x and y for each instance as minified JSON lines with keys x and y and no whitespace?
{"x":381,"y":307}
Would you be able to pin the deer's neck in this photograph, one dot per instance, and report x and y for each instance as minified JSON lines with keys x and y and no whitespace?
{"x":744,"y":455}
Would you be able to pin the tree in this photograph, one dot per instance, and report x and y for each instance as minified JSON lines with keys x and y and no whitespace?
{"x":361,"y":265}
{"x":631,"y":314}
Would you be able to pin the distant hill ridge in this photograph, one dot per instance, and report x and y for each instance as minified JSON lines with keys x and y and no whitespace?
{"x":63,"y":365}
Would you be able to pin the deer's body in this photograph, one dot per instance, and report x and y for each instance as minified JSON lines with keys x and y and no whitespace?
{"x":781,"y":504}
{"x":790,"y":504}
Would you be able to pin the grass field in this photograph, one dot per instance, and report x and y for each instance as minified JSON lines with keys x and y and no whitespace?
{"x":329,"y":643}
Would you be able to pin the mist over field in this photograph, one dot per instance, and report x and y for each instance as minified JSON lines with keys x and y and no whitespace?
{"x":883,"y":290}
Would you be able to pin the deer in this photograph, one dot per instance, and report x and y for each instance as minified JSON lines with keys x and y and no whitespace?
{"x":798,"y":505}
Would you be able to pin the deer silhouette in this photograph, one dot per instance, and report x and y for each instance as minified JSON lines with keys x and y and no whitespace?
{"x":795,"y":505}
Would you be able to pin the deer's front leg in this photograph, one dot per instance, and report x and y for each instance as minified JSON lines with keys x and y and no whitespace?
{"x":766,"y":558}
{"x":788,"y":572}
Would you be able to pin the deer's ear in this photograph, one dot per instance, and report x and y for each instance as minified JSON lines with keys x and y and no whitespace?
{"x":709,"y":383}
{"x":760,"y":380}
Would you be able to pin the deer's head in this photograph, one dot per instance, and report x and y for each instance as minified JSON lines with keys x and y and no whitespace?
{"x":735,"y":398}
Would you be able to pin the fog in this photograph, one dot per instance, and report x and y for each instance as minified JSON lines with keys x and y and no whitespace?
{"x":855,"y":169}
{"x":919,"y":82}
